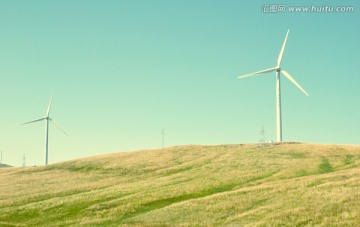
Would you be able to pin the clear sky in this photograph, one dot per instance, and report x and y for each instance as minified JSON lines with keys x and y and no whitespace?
{"x":123,"y":70}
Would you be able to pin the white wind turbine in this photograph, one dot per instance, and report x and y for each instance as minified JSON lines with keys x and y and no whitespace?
{"x":47,"y":118}
{"x":278,"y":70}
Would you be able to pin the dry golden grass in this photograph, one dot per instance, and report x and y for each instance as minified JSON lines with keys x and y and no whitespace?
{"x":234,"y":185}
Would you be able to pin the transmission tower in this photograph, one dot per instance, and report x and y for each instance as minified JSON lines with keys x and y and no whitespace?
{"x":162,"y":138}
{"x":262,"y":134}
{"x":24,"y":161}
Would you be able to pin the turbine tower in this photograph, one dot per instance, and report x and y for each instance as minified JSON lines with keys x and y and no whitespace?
{"x":47,"y":118}
{"x":278,"y":70}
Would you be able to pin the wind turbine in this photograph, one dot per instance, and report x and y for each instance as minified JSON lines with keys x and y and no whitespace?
{"x":47,"y":118}
{"x":278,"y":70}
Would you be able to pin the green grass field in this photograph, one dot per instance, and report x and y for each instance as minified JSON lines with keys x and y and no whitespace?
{"x":288,"y":184}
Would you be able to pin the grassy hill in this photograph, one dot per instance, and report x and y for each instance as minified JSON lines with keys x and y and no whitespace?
{"x":4,"y":165}
{"x":281,"y":184}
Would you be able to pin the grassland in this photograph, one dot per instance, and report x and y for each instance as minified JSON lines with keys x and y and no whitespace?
{"x":226,"y":185}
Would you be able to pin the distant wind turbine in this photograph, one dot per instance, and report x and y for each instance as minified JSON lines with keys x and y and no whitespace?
{"x":278,"y":70}
{"x":47,"y":118}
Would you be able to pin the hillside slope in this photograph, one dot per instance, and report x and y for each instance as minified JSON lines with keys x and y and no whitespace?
{"x":4,"y":165}
{"x":286,"y":184}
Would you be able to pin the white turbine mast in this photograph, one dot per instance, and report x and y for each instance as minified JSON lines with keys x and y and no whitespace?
{"x":47,"y":118}
{"x":278,"y":70}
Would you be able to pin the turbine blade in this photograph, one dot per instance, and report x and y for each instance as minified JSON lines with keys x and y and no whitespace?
{"x":282,"y":49}
{"x":260,"y":72}
{"x":293,"y":81}
{"x":58,"y":126}
{"x":49,"y":107}
{"x":40,"y":119}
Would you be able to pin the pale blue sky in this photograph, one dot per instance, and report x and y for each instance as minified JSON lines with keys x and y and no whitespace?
{"x":123,"y":70}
